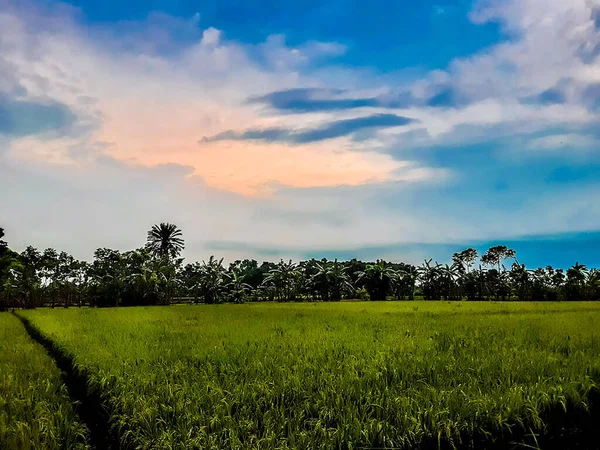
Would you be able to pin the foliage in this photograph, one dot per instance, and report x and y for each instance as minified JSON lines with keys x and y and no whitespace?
{"x":3,"y":244}
{"x":154,"y":275}
{"x":165,"y":241}
{"x":495,"y":255}
{"x":283,"y":279}
{"x":212,"y":280}
{"x":377,"y":279}
{"x":363,"y":294}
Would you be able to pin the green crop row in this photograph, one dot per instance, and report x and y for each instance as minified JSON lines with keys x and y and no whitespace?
{"x":35,"y":410}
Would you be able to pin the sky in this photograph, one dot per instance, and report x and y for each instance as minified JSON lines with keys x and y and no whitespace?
{"x":303,"y":128}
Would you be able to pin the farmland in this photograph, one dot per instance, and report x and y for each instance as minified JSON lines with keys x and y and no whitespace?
{"x":337,"y":375}
{"x":35,"y":410}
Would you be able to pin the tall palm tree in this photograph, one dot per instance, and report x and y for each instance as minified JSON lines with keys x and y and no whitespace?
{"x":165,"y":240}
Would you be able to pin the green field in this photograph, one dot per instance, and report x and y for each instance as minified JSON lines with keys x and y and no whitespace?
{"x":334,"y":375}
{"x":35,"y":410}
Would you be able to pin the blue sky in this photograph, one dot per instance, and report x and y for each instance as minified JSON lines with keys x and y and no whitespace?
{"x":381,"y":34}
{"x":272,"y":129}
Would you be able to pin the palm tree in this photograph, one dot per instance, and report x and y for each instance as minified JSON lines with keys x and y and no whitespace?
{"x":165,"y":240}
{"x":576,"y":277}
{"x":145,"y":286}
{"x":405,"y":282}
{"x":593,"y":284}
{"x":238,"y":290}
{"x":282,"y":278}
{"x":377,"y":279}
{"x":213,"y":279}
{"x":335,"y":279}
{"x":430,"y":280}
{"x":448,"y":276}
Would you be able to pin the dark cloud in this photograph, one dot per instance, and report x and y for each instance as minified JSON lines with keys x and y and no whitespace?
{"x":328,"y":131}
{"x":446,"y":97}
{"x":552,"y":96}
{"x":23,"y":118}
{"x":591,"y":96}
{"x":596,"y":17}
{"x":313,"y":100}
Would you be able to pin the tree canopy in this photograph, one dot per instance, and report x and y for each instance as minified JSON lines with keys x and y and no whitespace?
{"x":156,"y":274}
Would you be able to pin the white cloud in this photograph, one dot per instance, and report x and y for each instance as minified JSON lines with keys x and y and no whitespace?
{"x":211,"y":37}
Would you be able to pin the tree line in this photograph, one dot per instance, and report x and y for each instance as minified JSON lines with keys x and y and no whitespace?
{"x":155,"y":274}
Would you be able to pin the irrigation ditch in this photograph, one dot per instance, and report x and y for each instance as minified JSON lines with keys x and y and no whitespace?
{"x":87,"y":402}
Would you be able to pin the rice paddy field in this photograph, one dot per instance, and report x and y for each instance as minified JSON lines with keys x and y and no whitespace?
{"x":346,"y":375}
{"x":35,"y":410}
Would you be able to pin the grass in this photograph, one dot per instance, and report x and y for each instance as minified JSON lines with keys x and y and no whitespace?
{"x":334,"y":375}
{"x":35,"y":410}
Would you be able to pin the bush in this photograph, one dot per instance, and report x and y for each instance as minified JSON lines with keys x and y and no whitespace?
{"x":363,"y":294}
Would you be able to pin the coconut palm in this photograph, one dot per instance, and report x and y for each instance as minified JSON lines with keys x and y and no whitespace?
{"x":165,"y":240}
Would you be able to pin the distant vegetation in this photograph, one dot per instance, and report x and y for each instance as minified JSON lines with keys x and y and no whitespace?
{"x":155,"y":274}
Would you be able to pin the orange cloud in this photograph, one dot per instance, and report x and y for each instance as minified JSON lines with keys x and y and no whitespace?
{"x":168,"y":132}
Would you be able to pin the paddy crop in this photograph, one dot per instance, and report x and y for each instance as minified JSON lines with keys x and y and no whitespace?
{"x":35,"y":410}
{"x":333,"y":375}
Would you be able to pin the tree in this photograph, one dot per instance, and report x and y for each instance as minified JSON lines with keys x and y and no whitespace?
{"x":593,"y":284}
{"x":145,"y":287}
{"x":332,"y":280}
{"x":430,"y":280}
{"x":283,"y":278}
{"x":212,"y":280}
{"x":238,"y":290}
{"x":465,"y":259}
{"x":107,"y":275}
{"x":3,"y":244}
{"x":165,"y":241}
{"x":32,"y":269}
{"x":495,"y":255}
{"x":249,"y":271}
{"x":521,"y":280}
{"x":405,"y":282}
{"x":576,"y":277}
{"x":448,"y":276}
{"x":377,"y":279}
